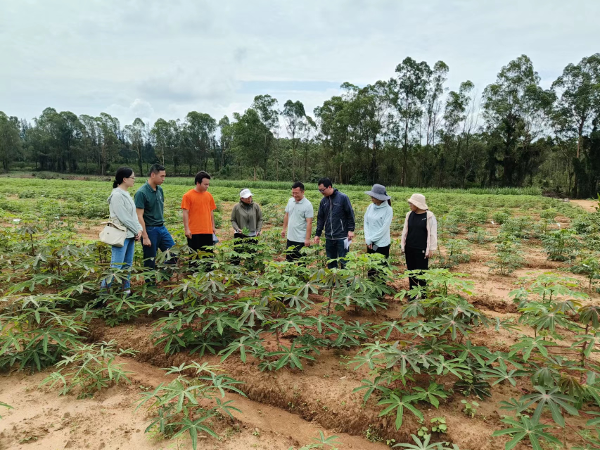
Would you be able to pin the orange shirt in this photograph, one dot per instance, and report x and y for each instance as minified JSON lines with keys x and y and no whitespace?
{"x":200,"y":205}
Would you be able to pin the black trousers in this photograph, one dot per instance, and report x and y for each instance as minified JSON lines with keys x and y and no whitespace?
{"x":293,"y":252}
{"x":415,"y":260}
{"x":200,"y":241}
{"x":385,"y":251}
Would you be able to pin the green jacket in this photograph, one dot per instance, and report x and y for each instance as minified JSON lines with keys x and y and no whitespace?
{"x":244,"y":216}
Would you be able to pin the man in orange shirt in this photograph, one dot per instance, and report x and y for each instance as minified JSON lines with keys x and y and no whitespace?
{"x":198,"y":208}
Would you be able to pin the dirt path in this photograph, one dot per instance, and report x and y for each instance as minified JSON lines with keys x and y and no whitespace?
{"x":588,"y":205}
{"x":42,"y":419}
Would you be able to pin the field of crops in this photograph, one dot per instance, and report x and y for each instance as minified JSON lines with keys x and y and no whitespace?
{"x":500,"y":352}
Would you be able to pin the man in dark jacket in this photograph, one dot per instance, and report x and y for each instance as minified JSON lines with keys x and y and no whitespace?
{"x":337,"y":217}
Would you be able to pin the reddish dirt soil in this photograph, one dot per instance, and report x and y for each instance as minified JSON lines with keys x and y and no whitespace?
{"x":283,"y":409}
{"x":588,"y":205}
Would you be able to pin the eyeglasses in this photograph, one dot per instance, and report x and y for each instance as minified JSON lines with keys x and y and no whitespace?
{"x":131,"y":178}
{"x":322,"y":190}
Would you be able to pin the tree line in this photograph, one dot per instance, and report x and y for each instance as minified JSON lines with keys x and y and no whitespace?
{"x":409,"y":130}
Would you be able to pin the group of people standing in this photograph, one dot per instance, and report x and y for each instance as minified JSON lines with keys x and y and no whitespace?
{"x":143,"y":216}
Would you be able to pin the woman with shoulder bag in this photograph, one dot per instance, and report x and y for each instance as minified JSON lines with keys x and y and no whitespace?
{"x":419,"y":237}
{"x":123,"y":212}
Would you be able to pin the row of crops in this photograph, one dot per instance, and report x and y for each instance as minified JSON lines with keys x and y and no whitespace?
{"x":429,"y":356}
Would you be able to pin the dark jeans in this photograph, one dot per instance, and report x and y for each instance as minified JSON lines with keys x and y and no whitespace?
{"x":160,"y":239}
{"x":415,"y":260}
{"x":242,"y":245}
{"x":335,"y":249}
{"x":293,"y":252}
{"x":385,"y":251}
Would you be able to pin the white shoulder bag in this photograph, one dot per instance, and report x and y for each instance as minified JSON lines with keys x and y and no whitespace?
{"x":113,"y":234}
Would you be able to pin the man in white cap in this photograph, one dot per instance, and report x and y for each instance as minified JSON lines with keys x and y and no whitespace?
{"x":246,"y":219}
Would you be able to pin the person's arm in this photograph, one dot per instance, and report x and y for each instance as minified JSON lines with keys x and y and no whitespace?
{"x":285,"y":224}
{"x":320,"y":223}
{"x":212,"y":219}
{"x":186,"y":223}
{"x":404,"y":232}
{"x":120,"y":204}
{"x":367,"y":232}
{"x":309,"y":222}
{"x":350,"y":218}
{"x":432,"y":244}
{"x":234,"y":223}
{"x":145,"y":238}
{"x":259,"y":220}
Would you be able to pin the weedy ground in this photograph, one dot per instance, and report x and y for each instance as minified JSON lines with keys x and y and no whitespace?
{"x":267,"y":354}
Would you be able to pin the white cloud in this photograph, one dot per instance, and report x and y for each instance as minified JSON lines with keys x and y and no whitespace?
{"x":137,"y":109}
{"x":106,"y":55}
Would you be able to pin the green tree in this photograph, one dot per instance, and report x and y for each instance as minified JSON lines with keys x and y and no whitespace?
{"x":225,"y":140}
{"x":409,"y":90}
{"x":251,"y":139}
{"x":515,"y":109}
{"x":10,"y":140}
{"x":108,"y":129}
{"x":295,"y":121}
{"x":201,"y":130}
{"x":136,"y":134}
{"x":577,"y":107}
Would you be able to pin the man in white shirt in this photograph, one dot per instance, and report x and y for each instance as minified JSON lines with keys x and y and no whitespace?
{"x":297,"y":222}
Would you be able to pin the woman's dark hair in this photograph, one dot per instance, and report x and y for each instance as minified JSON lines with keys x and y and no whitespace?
{"x":201,"y":176}
{"x":122,"y":173}
{"x":389,"y":202}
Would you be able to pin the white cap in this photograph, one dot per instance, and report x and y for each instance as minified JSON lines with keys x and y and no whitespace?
{"x":245,"y":193}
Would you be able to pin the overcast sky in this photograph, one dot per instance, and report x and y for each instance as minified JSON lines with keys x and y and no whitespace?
{"x":154,"y":59}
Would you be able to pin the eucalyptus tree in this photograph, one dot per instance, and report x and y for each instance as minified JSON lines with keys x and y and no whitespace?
{"x":333,"y":126}
{"x":516,"y":110}
{"x":308,"y":144}
{"x":108,"y":129}
{"x":433,"y":100}
{"x":578,"y":105}
{"x":57,"y":140}
{"x":161,"y":137}
{"x":201,"y":130}
{"x":251,"y":139}
{"x":408,"y":92}
{"x":137,"y":137}
{"x":225,"y":140}
{"x":295,"y":121}
{"x":266,"y":106}
{"x":90,"y":139}
{"x":456,"y":129}
{"x":10,"y":139}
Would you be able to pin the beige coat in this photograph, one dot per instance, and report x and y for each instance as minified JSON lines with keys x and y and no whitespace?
{"x":431,"y":232}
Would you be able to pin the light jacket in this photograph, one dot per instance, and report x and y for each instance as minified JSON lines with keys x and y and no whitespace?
{"x":378,"y":219}
{"x":247,"y":216}
{"x":336,"y":216}
{"x":122,"y":208}
{"x":431,"y":232}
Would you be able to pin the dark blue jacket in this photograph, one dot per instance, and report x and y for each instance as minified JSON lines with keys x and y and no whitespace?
{"x":336,"y":216}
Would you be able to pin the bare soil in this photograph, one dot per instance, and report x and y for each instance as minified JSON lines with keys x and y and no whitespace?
{"x":588,"y":205}
{"x":283,"y":409}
